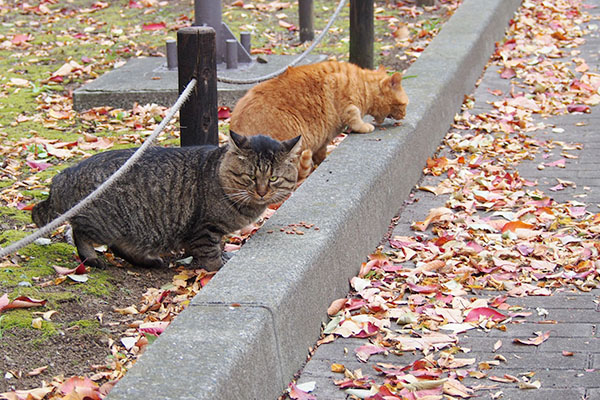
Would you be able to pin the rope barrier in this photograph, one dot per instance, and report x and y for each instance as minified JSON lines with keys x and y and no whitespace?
{"x":51,"y":226}
{"x":296,"y":61}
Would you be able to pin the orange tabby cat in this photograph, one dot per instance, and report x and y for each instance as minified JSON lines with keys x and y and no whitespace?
{"x":318,"y":101}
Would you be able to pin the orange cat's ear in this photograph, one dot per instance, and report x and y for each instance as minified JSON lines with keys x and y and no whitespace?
{"x":396,"y":80}
{"x":381,"y":68}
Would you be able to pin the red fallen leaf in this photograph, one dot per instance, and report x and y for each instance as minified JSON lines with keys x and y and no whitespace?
{"x":25,"y":207}
{"x":76,"y":382}
{"x":514,"y":225}
{"x":21,"y":38}
{"x":508,"y":73}
{"x":38,"y":165}
{"x":558,"y":163}
{"x":578,"y":108}
{"x":224,"y":112}
{"x":263,"y":50}
{"x":535,"y":341}
{"x":153,"y":328}
{"x":154,"y":27}
{"x":57,"y":79}
{"x":298,"y":394}
{"x":567,"y":353}
{"x":79,"y":270}
{"x":19,"y":302}
{"x":495,"y":92}
{"x":238,"y":3}
{"x":498,"y":301}
{"x":204,"y":280}
{"x":364,"y":352}
{"x":422,"y":288}
{"x":476,"y":313}
{"x":134,"y":4}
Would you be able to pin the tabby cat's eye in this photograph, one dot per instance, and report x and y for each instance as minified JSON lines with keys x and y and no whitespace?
{"x":252,"y":177}
{"x":273,"y":178}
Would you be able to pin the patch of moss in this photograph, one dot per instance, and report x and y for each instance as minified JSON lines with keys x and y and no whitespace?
{"x":87,"y":326}
{"x":99,"y":284}
{"x":16,"y":215}
{"x":36,"y":261}
{"x":20,"y":319}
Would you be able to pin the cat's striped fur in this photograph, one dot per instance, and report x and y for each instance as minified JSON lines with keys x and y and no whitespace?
{"x":318,"y":101}
{"x":173,"y":198}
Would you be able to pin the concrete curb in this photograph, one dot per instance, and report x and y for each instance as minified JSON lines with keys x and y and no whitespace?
{"x":247,"y":332}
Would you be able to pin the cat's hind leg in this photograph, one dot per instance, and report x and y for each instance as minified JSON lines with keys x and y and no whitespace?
{"x":319,"y":155}
{"x":353,"y":119}
{"x":140,"y":260}
{"x":85,"y":249}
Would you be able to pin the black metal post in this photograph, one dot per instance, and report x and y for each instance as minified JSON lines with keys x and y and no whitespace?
{"x":196,"y":58}
{"x":361,"y":33}
{"x":305,"y":20}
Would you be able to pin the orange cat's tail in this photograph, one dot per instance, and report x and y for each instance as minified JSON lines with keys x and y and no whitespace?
{"x":304,"y":164}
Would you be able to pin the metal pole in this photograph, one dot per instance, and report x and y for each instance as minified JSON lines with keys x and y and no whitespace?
{"x":208,"y":13}
{"x":231,"y":58}
{"x":171,"y":46}
{"x":245,"y":40}
{"x":305,"y":18}
{"x":361,"y":33}
{"x":197,"y":59}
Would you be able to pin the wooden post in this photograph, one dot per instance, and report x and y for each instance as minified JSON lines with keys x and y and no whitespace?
{"x":305,"y":20}
{"x":361,"y":33}
{"x":196,"y":58}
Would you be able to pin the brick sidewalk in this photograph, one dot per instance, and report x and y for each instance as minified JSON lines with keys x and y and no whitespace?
{"x":577,"y":314}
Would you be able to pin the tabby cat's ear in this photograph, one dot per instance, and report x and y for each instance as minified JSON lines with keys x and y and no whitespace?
{"x":237,"y":141}
{"x":293,"y":146}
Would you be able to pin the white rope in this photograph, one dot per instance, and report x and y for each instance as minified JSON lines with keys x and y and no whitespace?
{"x":50,"y":227}
{"x":294,"y":62}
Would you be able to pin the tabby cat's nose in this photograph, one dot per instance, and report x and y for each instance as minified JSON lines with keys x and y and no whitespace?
{"x":261,"y":191}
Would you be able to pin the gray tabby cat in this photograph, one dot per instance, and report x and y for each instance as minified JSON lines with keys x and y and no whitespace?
{"x":173,"y":198}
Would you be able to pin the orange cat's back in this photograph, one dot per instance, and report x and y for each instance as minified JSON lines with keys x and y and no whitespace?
{"x":318,"y":101}
{"x":293,"y":103}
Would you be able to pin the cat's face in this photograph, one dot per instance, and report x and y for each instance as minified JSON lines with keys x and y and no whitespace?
{"x":393,"y":100}
{"x":259,"y":170}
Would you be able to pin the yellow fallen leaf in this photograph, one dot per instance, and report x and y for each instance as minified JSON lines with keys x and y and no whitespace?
{"x":530,"y":385}
{"x":126,"y":311}
{"x":36,"y":323}
{"x":339,"y":368}
{"x":18,"y":82}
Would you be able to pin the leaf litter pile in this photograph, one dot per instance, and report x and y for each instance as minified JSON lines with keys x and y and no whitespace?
{"x":71,"y":332}
{"x":497,"y":233}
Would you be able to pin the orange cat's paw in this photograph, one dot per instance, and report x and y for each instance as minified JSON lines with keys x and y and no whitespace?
{"x":365,"y":128}
{"x":305,"y":164}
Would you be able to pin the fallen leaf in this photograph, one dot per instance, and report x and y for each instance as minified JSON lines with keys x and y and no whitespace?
{"x":297,"y":394}
{"x":535,"y":341}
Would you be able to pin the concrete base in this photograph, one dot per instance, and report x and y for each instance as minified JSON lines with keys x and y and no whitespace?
{"x":147,"y":80}
{"x":248,"y":331}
